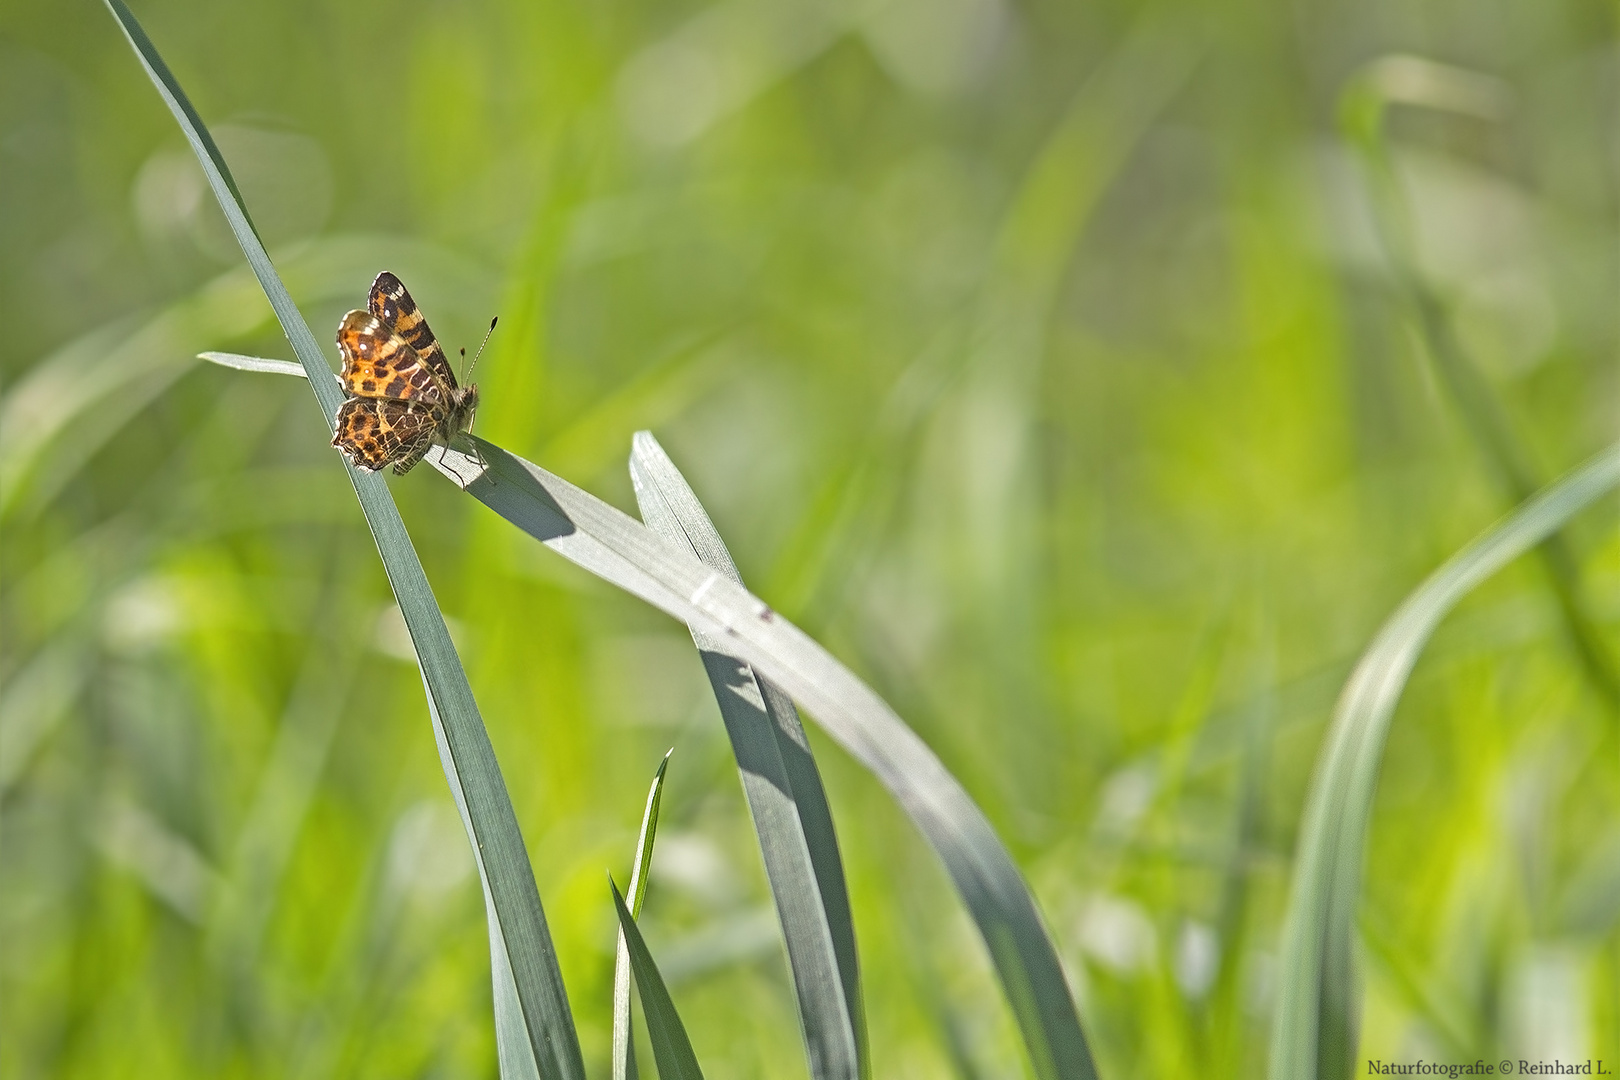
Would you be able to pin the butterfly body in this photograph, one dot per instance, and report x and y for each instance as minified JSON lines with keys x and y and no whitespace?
{"x":403,"y":396}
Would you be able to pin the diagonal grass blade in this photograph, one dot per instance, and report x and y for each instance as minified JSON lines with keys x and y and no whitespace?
{"x":624,"y":1052}
{"x":784,"y":792}
{"x":622,"y":551}
{"x":534,"y":1028}
{"x":672,"y":1050}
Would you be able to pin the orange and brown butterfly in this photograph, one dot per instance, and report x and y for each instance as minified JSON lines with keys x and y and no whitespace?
{"x":403,"y":396}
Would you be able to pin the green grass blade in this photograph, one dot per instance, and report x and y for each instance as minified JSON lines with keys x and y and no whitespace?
{"x":644,"y":840}
{"x":622,"y":551}
{"x":624,"y":1055}
{"x":1313,"y":1034}
{"x":672,"y":1050}
{"x":254,"y":363}
{"x":784,"y":791}
{"x":534,"y":1028}
{"x":1363,"y":107}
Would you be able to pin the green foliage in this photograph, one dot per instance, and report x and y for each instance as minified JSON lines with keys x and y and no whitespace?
{"x":671,"y":1048}
{"x":1041,"y":361}
{"x":624,"y":1051}
{"x":534,"y":1028}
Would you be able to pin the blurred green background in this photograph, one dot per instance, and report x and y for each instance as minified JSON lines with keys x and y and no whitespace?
{"x":1040,"y":358}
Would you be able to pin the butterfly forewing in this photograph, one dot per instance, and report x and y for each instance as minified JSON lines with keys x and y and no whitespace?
{"x":378,"y":362}
{"x":391,"y":302}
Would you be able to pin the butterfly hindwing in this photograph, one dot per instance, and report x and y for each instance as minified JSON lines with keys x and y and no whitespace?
{"x":391,"y":302}
{"x":379,"y":363}
{"x":377,"y":431}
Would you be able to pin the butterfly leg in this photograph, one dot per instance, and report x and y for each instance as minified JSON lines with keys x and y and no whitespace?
{"x":469,"y":450}
{"x":442,"y":461}
{"x":482,"y":465}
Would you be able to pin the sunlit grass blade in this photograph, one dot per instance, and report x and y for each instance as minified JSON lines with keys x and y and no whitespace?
{"x":622,"y":551}
{"x":254,"y":363}
{"x":624,"y":1051}
{"x":534,"y":1028}
{"x":672,"y":1050}
{"x":1314,"y":1028}
{"x":784,"y":791}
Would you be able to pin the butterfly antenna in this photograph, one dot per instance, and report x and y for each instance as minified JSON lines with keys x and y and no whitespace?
{"x":480,"y":351}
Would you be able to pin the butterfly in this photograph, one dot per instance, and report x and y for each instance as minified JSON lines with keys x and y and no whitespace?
{"x":403,"y":397}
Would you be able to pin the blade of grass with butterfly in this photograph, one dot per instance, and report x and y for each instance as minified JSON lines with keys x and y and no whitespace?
{"x":534,"y":1027}
{"x":530,"y":1000}
{"x":606,"y":542}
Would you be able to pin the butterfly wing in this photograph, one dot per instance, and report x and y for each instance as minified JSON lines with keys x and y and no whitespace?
{"x":376,"y":431}
{"x":392,"y":304}
{"x":402,"y":394}
{"x":379,"y":363}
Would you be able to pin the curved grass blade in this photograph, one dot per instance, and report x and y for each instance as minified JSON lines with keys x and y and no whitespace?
{"x":587,"y":531}
{"x":672,"y":1050}
{"x":784,"y":791}
{"x":624,"y":1051}
{"x":534,"y":1029}
{"x":1313,"y":1034}
{"x":1363,"y":106}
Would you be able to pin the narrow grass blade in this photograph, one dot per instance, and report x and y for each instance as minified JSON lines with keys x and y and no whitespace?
{"x":1364,"y":105}
{"x":1313,"y":1034}
{"x":672,"y":1050}
{"x":624,"y":1053}
{"x":534,"y":1028}
{"x":784,"y":791}
{"x":254,"y":363}
{"x":622,"y":551}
